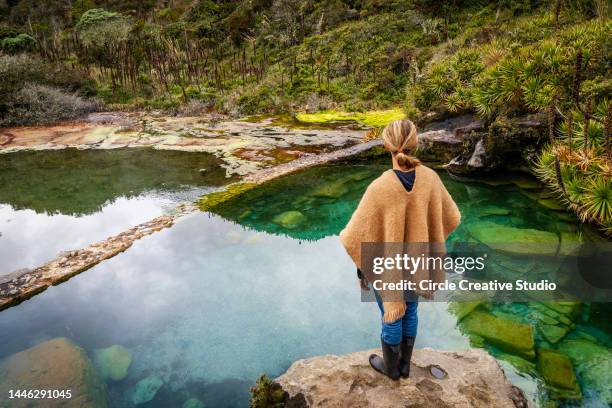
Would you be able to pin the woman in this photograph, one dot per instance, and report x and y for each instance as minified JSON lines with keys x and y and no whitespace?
{"x":409,"y":205}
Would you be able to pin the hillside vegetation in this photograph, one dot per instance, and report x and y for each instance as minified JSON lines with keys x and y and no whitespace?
{"x":493,"y":59}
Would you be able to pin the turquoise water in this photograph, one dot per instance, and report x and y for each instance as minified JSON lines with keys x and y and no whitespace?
{"x":209,"y":304}
{"x":61,"y":200}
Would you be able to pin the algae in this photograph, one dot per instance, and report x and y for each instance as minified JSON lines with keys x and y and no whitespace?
{"x":558,"y":372}
{"x":370,"y":118}
{"x":506,"y":334}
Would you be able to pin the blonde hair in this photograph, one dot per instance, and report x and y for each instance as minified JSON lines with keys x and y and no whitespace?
{"x":401,"y":140}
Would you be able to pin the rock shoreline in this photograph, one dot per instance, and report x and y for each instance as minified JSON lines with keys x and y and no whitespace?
{"x":474,"y":379}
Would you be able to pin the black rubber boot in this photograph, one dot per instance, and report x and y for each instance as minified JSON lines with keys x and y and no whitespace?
{"x":389,"y":363}
{"x":406,"y":347}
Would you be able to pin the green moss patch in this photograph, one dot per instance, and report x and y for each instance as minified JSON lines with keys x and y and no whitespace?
{"x":370,"y":118}
{"x":210,"y":201}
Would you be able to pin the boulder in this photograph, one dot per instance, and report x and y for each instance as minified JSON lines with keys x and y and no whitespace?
{"x":113,"y":362}
{"x":56,"y":364}
{"x":502,"y":144}
{"x":439,"y":145}
{"x":474,"y":379}
{"x":508,"y":335}
{"x":289,"y":219}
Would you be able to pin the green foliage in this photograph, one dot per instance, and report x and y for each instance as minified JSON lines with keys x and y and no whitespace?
{"x":20,"y":43}
{"x":508,"y":79}
{"x":102,"y":28}
{"x":584,"y":180}
{"x":267,"y":394}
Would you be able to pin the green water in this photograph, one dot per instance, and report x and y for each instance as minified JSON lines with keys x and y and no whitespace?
{"x":318,"y":203}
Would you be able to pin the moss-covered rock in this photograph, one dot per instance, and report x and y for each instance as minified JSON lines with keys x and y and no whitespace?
{"x":558,"y":372}
{"x":210,"y":201}
{"x":509,"y":335}
{"x":113,"y":362}
{"x":522,"y":241}
{"x":290,"y":219}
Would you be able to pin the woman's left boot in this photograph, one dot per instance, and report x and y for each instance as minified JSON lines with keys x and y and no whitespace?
{"x":389,"y":363}
{"x":406,"y":347}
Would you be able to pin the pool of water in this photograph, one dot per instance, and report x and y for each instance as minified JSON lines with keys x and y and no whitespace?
{"x":52,"y":201}
{"x":209,"y":304}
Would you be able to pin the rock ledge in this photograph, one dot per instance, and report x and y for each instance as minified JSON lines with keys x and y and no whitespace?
{"x":474,"y":380}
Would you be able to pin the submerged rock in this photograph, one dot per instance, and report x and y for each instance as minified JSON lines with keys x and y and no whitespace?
{"x":494,"y":210}
{"x":593,"y":363}
{"x":335,"y":189}
{"x":553,"y":334}
{"x":290,"y":219}
{"x":525,"y":241}
{"x":146,"y":389}
{"x":113,"y":362}
{"x":509,"y":335}
{"x":558,"y":372}
{"x":473,"y":378}
{"x":56,"y":364}
{"x":193,"y":403}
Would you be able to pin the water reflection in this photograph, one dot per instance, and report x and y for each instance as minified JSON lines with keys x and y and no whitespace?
{"x":53,"y":201}
{"x":206,"y":302}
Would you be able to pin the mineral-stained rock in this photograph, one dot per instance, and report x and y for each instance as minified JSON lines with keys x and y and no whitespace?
{"x":146,"y":389}
{"x":113,"y":362}
{"x":290,"y":219}
{"x":593,"y":363}
{"x":508,"y":335}
{"x":558,"y":372}
{"x":56,"y":364}
{"x":474,"y":380}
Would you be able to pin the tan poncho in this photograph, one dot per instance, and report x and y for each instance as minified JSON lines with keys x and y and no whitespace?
{"x":387,"y":213}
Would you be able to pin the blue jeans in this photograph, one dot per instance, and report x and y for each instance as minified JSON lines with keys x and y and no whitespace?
{"x":392,"y":333}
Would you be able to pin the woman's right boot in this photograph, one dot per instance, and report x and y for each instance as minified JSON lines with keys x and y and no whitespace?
{"x":389,"y":363}
{"x":406,"y":347}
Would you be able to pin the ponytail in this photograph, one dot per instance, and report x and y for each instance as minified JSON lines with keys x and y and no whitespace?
{"x":406,"y":161}
{"x":401,"y":140}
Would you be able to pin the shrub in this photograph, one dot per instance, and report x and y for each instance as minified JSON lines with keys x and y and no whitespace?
{"x":36,"y":103}
{"x":20,"y":43}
